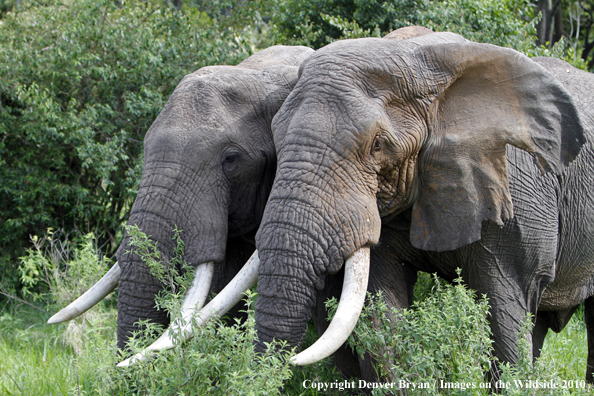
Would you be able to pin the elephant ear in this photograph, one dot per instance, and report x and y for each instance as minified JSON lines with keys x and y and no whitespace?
{"x":489,"y":97}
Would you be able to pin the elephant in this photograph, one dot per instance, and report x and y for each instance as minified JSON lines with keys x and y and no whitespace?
{"x":430,"y":153}
{"x":209,"y":163}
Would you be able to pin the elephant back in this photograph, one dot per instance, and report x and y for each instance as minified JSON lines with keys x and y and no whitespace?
{"x":277,"y":55}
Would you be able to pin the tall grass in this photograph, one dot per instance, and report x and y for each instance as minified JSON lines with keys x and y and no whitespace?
{"x":444,"y":337}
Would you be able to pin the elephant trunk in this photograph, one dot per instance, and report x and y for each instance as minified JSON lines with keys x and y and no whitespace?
{"x":284,"y":306}
{"x":136,"y":299}
{"x":356,"y":276}
{"x":308,"y":231}
{"x":181,"y":331}
{"x":157,"y":211}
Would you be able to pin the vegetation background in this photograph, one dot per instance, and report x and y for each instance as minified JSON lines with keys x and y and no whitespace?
{"x":80,"y":84}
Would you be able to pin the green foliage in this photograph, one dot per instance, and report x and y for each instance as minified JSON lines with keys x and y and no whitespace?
{"x":56,"y":271}
{"x":318,"y":373}
{"x":302,"y":22}
{"x":41,"y":359}
{"x":171,"y":274}
{"x":5,"y":6}
{"x":409,"y":344}
{"x":176,"y":275}
{"x":318,"y":22}
{"x":525,"y":377}
{"x":79,"y":357}
{"x":69,"y":359}
{"x":80,"y":84}
{"x":444,"y":341}
{"x":216,"y":359}
{"x":507,"y":23}
{"x":219,"y":359}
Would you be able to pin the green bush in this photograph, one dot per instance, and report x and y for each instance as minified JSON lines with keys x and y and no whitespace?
{"x":319,"y":22}
{"x":80,"y":84}
{"x":56,"y":272}
{"x":445,"y":337}
{"x":41,"y":359}
{"x":509,"y":23}
{"x":175,"y":276}
{"x":444,"y":342}
{"x":217,"y":360}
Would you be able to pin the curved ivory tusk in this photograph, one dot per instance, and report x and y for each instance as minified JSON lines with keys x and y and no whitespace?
{"x":91,"y":297}
{"x":223,"y":302}
{"x":356,"y":276}
{"x":196,"y":296}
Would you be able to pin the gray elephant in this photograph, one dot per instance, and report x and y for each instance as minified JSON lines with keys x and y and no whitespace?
{"x":436,"y":153}
{"x":209,"y":163}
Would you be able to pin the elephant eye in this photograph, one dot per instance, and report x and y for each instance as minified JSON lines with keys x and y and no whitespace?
{"x":230,"y":158}
{"x":378,"y":144}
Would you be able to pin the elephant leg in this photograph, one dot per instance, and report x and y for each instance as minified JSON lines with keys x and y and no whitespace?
{"x":510,"y":300}
{"x":513,"y":265}
{"x":589,"y":318}
{"x":541,"y":328}
{"x":554,"y":320}
{"x":238,"y":251}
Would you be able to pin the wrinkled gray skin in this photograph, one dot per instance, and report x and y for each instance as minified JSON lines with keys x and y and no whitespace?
{"x":209,"y":163}
{"x":438,"y":153}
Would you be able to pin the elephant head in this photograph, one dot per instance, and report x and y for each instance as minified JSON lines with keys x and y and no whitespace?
{"x":209,"y":163}
{"x":378,"y":127}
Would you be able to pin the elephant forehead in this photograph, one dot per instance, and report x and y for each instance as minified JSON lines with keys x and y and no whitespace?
{"x":211,"y":96}
{"x":205,"y":110}
{"x":361,"y":59}
{"x":331,"y":120}
{"x":379,"y":67}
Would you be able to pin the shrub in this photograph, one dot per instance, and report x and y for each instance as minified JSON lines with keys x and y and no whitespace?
{"x":56,"y":270}
{"x":219,"y":359}
{"x":80,"y":84}
{"x":443,"y":337}
{"x":319,"y":22}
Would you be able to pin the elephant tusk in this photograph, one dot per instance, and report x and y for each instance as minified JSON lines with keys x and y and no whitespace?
{"x":223,"y":302}
{"x":194,"y":299}
{"x":356,"y":276}
{"x":196,"y":296}
{"x":91,"y":297}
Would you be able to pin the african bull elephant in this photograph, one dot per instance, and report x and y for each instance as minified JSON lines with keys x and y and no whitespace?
{"x":437,"y":153}
{"x":209,"y":162}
